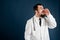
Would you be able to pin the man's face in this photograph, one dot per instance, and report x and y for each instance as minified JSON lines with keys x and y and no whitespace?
{"x":39,"y":9}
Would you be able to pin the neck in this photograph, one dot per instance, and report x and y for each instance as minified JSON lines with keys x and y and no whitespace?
{"x":37,"y":15}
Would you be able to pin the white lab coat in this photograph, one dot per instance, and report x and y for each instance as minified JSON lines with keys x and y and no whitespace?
{"x":40,"y":32}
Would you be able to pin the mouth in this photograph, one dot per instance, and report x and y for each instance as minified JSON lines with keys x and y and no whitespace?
{"x":42,"y":15}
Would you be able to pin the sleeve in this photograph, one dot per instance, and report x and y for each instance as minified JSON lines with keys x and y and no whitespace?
{"x":27,"y":33}
{"x":51,"y":21}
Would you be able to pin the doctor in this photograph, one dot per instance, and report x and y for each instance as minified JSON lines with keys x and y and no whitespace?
{"x":37,"y":26}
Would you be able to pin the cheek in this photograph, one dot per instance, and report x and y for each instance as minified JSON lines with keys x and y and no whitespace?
{"x":40,"y":11}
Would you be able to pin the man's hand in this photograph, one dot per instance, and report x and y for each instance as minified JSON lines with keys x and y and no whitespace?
{"x":46,"y":11}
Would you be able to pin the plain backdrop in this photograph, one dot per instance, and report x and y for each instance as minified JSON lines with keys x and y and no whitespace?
{"x":15,"y":13}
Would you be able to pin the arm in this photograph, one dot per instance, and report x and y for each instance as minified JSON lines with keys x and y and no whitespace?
{"x":51,"y":21}
{"x":27,"y":31}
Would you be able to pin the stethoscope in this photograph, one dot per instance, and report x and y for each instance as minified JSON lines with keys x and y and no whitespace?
{"x":33,"y":24}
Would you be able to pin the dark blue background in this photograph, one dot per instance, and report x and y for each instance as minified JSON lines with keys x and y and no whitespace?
{"x":15,"y":13}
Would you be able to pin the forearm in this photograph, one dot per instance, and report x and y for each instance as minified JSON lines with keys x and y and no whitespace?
{"x":51,"y":21}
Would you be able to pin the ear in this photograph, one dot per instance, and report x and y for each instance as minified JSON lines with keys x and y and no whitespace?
{"x":35,"y":11}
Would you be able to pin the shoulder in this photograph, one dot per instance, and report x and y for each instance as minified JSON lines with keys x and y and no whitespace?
{"x":30,"y":20}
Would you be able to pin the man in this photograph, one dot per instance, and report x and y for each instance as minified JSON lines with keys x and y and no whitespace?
{"x":37,"y":26}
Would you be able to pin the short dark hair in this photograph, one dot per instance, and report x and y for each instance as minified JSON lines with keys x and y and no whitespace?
{"x":35,"y":6}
